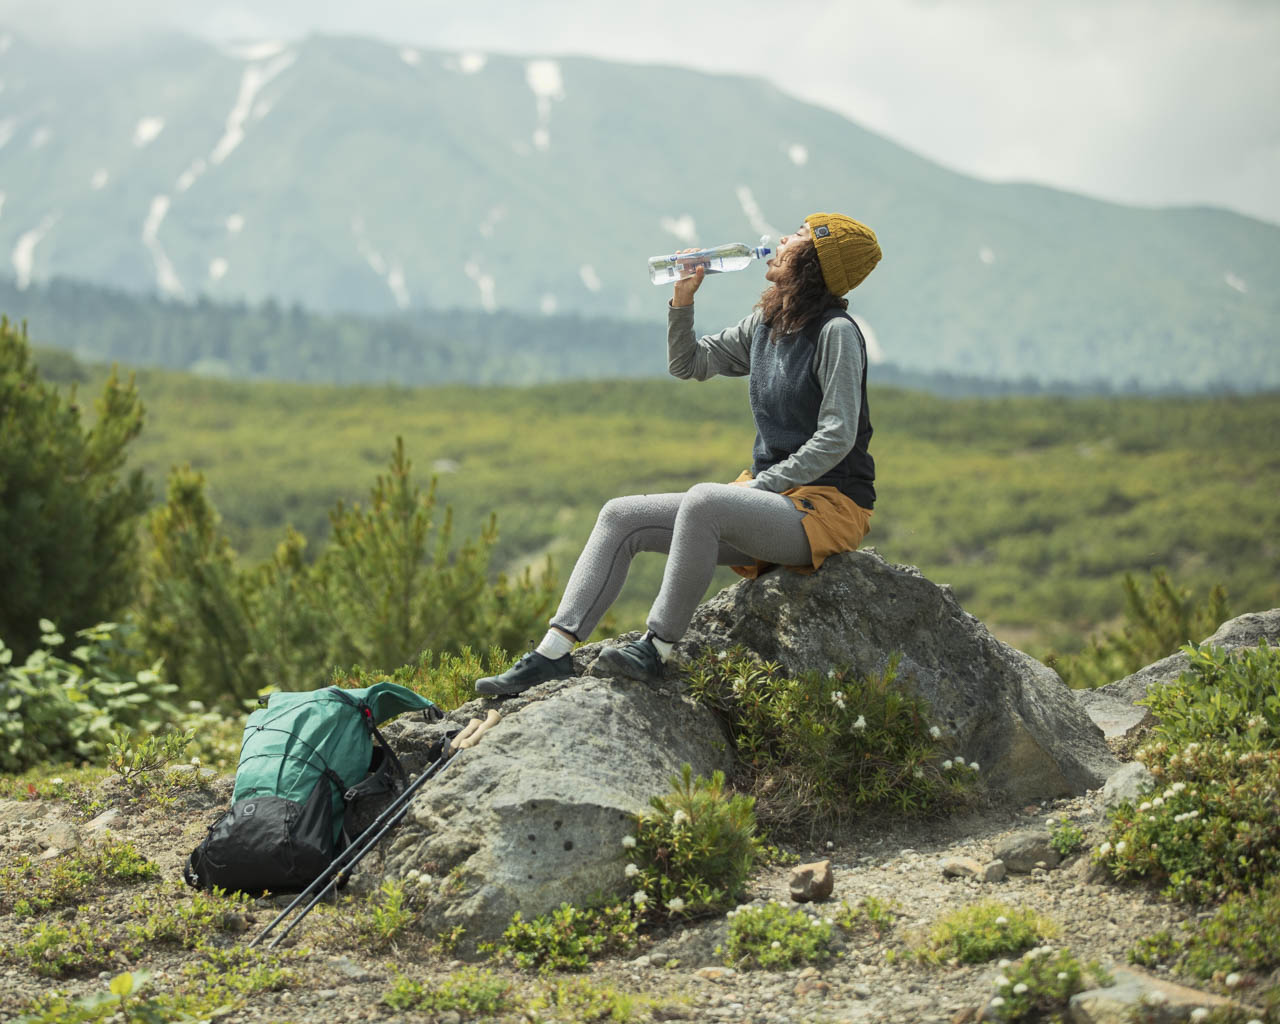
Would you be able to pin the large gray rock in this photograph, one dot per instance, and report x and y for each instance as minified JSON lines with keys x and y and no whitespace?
{"x":535,"y":814}
{"x":1113,"y":707}
{"x":997,"y":705}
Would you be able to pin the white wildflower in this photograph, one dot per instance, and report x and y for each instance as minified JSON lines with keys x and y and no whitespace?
{"x":1002,"y":920}
{"x":640,"y":899}
{"x":1003,"y":982}
{"x":1019,"y":988}
{"x":1104,"y":849}
{"x":935,"y":732}
{"x":1120,"y":847}
{"x":1199,"y":1013}
{"x":1062,"y":975}
{"x":631,"y":871}
{"x":837,"y":696}
{"x":997,"y":1002}
{"x":1233,"y":980}
{"x":675,"y":904}
{"x":775,"y":944}
{"x":861,"y":723}
{"x":831,"y":673}
{"x":57,"y":781}
{"x":917,"y":773}
{"x":679,"y":818}
{"x":196,"y":761}
{"x":722,"y":655}
{"x":946,"y":766}
{"x":830,"y":845}
{"x":629,"y":841}
{"x":1158,"y":802}
{"x":413,"y":875}
{"x":1033,"y":953}
{"x":828,"y":920}
{"x":1145,"y":805}
{"x":1004,"y":963}
{"x":974,"y":765}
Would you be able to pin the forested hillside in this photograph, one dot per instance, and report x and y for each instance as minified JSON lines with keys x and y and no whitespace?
{"x":1033,"y":509}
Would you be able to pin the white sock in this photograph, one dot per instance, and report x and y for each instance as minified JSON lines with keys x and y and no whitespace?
{"x":554,"y":645}
{"x":663,"y":648}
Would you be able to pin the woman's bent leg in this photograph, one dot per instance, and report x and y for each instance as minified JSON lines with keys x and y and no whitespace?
{"x":625,"y":526}
{"x":719,"y":524}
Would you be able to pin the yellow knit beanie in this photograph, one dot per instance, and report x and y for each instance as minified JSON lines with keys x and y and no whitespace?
{"x":847,"y":250}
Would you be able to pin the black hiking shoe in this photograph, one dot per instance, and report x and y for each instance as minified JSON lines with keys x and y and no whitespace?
{"x":636,"y":659}
{"x":530,"y":670}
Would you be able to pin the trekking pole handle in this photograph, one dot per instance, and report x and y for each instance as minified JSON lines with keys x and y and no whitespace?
{"x":470,"y":740}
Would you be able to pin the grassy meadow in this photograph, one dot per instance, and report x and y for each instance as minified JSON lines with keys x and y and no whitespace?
{"x":1033,"y":509}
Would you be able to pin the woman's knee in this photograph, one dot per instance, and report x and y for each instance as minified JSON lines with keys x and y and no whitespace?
{"x":618,"y":513}
{"x":703,"y":499}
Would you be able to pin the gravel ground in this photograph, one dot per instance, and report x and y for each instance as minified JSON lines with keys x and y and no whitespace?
{"x":677,"y":970}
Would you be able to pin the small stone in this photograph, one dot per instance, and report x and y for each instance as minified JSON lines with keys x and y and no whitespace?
{"x":961,"y":867}
{"x":450,"y":1017}
{"x":642,"y":961}
{"x":994,"y":871}
{"x":659,"y":959}
{"x":811,"y":987}
{"x":714,"y":973}
{"x":1022,"y":851}
{"x":862,"y":990}
{"x":106,"y":820}
{"x":812,"y":882}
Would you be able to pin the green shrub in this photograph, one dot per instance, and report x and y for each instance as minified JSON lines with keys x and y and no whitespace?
{"x":29,"y":887}
{"x":1065,"y":837}
{"x":1039,"y":987}
{"x":1211,"y":828}
{"x":470,"y":992}
{"x":53,"y":951}
{"x":692,"y":850}
{"x":68,"y":510}
{"x":1243,"y":934}
{"x":1157,"y":623}
{"x":871,"y":911}
{"x":567,"y":938}
{"x":192,"y":920}
{"x":63,"y":709}
{"x":983,"y":931}
{"x":384,"y":916}
{"x":775,"y":937}
{"x":820,"y":748}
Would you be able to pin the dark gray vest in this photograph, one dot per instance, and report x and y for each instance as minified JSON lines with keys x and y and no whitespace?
{"x":785,"y":398}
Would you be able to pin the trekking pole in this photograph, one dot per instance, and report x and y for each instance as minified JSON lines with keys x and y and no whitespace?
{"x":341,"y":866}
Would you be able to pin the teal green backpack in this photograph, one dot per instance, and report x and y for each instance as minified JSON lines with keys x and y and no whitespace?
{"x":305,"y":760}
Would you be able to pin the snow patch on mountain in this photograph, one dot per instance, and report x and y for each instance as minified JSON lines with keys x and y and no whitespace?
{"x":491,"y":220}
{"x":466,"y":63}
{"x":682,"y":227}
{"x":24,"y":253}
{"x":755,"y":216}
{"x":1235,"y":282}
{"x":399,"y":290}
{"x":98,"y":181}
{"x":411,"y":56}
{"x":41,"y":136}
{"x":544,"y":79}
{"x":987,"y":255}
{"x":166,"y":277}
{"x":6,"y":41}
{"x":875,"y":353}
{"x":235,"y":224}
{"x":7,"y":127}
{"x":798,"y":154}
{"x":485,"y":283}
{"x":547,"y":304}
{"x":146,"y":130}
{"x":589,"y":277}
{"x":218,"y":267}
{"x":189,"y":177}
{"x":263,"y":50}
{"x":255,"y":77}
{"x":392,"y":272}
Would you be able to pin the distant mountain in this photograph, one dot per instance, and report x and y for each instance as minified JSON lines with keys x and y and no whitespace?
{"x":349,"y":175}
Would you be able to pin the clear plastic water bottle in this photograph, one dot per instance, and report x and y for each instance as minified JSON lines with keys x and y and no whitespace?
{"x":719,"y":259}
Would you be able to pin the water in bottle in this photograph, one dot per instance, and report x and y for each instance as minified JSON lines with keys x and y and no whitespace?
{"x":718,"y":259}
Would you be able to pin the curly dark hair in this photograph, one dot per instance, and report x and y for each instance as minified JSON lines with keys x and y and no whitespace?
{"x":802,"y":296}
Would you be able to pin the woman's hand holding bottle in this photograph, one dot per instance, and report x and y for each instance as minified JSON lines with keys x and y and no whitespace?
{"x":685,"y":287}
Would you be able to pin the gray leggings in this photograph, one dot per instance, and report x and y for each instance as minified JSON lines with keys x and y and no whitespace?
{"x":706,"y":526}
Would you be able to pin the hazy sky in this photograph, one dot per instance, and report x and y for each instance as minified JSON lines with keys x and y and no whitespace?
{"x":1141,"y":101}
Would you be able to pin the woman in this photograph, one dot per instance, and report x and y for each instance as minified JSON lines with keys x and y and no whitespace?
{"x":810,"y":490}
